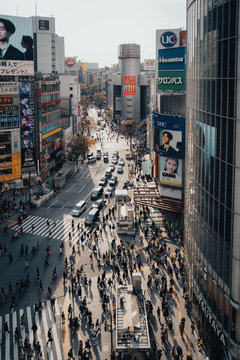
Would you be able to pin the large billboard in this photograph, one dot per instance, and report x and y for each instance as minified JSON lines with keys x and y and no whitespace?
{"x":167,"y":38}
{"x":129,"y":85}
{"x":27,"y":124}
{"x":16,"y":46}
{"x":171,"y":80}
{"x":169,"y":135}
{"x":172,"y":59}
{"x":170,"y":171}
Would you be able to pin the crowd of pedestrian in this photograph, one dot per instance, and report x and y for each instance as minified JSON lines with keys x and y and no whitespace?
{"x":115,"y":267}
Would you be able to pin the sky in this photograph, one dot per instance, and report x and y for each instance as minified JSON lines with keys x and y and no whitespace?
{"x":93,"y":29}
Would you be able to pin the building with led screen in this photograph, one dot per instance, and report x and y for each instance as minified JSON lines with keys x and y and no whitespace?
{"x":212,"y":172}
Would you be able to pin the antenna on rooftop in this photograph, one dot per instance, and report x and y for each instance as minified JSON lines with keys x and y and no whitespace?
{"x":35,"y":8}
{"x":17,"y":10}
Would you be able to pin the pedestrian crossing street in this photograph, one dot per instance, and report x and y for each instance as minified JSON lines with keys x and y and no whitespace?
{"x":57,"y":229}
{"x":45,"y":319}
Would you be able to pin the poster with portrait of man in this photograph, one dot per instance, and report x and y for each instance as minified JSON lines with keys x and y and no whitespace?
{"x":168,"y":142}
{"x":16,"y":45}
{"x":170,"y":171}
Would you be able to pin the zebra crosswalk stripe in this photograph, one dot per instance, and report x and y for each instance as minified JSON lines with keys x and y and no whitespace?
{"x":54,"y":330}
{"x":39,"y":334}
{"x":58,"y":229}
{"x":15,"y":345}
{"x":43,"y":230}
{"x":45,"y":326}
{"x":9,"y":349}
{"x":28,"y":227}
{"x":29,"y":318}
{"x":7,"y":339}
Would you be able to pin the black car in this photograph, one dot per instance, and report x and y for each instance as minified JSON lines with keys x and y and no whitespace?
{"x":113,"y":181}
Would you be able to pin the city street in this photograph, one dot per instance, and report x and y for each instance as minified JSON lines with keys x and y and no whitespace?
{"x":44,"y":231}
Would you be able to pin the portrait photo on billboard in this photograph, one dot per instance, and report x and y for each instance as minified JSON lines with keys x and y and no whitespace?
{"x":170,"y":171}
{"x":25,"y":109}
{"x":16,"y":38}
{"x":26,"y":137}
{"x":168,"y":142}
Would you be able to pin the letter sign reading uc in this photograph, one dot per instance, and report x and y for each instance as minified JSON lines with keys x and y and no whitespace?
{"x":168,"y":39}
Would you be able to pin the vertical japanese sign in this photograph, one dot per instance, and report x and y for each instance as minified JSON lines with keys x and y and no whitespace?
{"x":129,"y":85}
{"x":27,"y":124}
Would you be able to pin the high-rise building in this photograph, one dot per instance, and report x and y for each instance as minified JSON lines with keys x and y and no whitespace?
{"x":212,"y":172}
{"x":48,"y":47}
{"x":127,"y":93}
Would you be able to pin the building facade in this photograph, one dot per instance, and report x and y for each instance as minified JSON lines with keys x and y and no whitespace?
{"x":212,"y":168}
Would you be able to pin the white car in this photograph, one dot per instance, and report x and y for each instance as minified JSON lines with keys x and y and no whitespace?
{"x":91,"y":159}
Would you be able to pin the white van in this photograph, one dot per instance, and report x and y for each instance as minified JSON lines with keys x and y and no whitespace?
{"x":79,"y":208}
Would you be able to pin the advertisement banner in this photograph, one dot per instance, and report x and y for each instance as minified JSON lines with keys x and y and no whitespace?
{"x":43,"y":24}
{"x":166,"y":39}
{"x":79,"y":109}
{"x":16,"y":53}
{"x":9,"y":103}
{"x":183,"y":38}
{"x":170,"y":171}
{"x":172,"y":59}
{"x":6,"y":101}
{"x":84,"y":66}
{"x":129,"y":85}
{"x":27,"y":124}
{"x":11,"y":88}
{"x":171,"y":80}
{"x":169,"y":135}
{"x":12,"y":68}
{"x":149,"y":64}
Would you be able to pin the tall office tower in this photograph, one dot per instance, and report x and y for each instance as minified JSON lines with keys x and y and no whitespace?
{"x":212,"y":168}
{"x":129,"y":65}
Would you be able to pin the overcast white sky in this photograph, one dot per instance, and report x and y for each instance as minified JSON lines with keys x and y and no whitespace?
{"x":93,"y":29}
